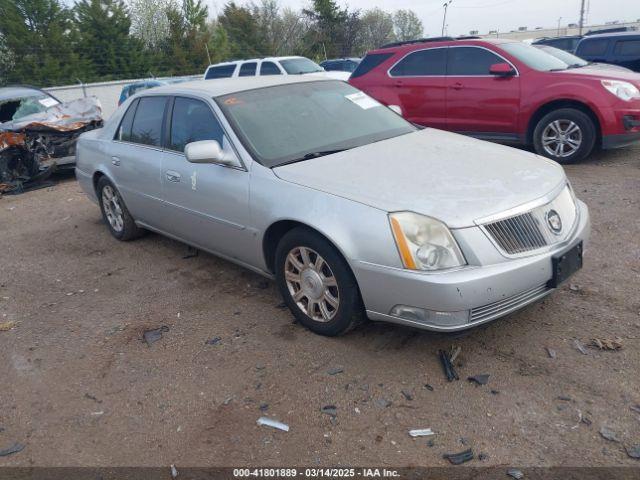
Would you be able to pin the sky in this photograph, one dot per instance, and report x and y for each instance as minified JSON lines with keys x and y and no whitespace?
{"x":485,"y":15}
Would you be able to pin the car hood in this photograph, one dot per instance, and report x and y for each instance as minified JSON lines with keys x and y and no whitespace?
{"x":600,"y":71}
{"x":344,"y":76}
{"x":453,"y":178}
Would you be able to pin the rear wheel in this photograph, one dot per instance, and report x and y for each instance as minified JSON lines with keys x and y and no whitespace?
{"x":317,"y":284}
{"x":565,"y":135}
{"x":115,"y":213}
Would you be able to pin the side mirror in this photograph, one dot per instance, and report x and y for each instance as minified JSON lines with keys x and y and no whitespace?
{"x":501,"y":70}
{"x":206,"y":151}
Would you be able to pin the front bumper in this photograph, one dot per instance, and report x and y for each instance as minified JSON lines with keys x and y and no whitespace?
{"x":473,"y":295}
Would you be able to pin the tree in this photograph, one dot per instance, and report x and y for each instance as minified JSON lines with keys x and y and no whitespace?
{"x":407,"y":25}
{"x":326,"y":35}
{"x":376,"y":29}
{"x":186,"y":44}
{"x":104,"y":40}
{"x":295,"y":29}
{"x":245,"y":39}
{"x":40,"y":37}
{"x":149,"y":20}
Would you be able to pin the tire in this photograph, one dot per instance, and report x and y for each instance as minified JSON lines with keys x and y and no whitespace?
{"x":330,"y":288}
{"x":115,"y":213}
{"x":575,"y":133}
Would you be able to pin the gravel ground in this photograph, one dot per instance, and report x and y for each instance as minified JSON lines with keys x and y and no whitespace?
{"x":80,"y":388}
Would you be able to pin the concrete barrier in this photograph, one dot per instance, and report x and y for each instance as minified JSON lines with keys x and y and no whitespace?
{"x":107,"y":92}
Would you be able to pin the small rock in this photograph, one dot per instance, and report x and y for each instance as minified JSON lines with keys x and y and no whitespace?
{"x":213,"y":341}
{"x":515,"y":473}
{"x":495,"y":392}
{"x":407,"y":395}
{"x":633,"y":451}
{"x":551,"y":352}
{"x":483,"y":456}
{"x":608,"y":434}
{"x":383,"y":402}
{"x":331,"y":410}
{"x":574,"y":288}
{"x":15,"y":448}
{"x":260,"y":366}
{"x":174,"y":471}
{"x":578,"y":344}
{"x":264,"y":407}
{"x":152,"y":336}
{"x":335,"y":370}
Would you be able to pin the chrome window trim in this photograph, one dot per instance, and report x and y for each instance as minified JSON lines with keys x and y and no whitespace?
{"x":446,"y":75}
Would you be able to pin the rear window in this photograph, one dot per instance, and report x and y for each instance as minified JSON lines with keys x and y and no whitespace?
{"x":628,"y":48}
{"x":147,"y":123}
{"x":422,"y":63}
{"x":595,"y":47}
{"x":370,"y":62}
{"x":299,"y":66}
{"x":124,"y":130}
{"x":248,"y":69}
{"x":223,"y":71}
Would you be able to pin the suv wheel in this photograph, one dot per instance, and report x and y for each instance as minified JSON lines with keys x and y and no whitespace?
{"x":317,"y":284}
{"x":566,"y":135}
{"x":115,"y":213}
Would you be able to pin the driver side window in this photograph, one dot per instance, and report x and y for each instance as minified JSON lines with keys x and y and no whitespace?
{"x":191,"y":121}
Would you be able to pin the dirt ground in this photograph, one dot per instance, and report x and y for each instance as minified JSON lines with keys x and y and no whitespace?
{"x":79,"y":387}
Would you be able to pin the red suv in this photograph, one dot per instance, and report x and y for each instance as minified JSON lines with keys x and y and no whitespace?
{"x":505,"y":91}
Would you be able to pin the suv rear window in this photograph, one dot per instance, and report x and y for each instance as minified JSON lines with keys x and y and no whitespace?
{"x":248,"y":69}
{"x":628,"y":48}
{"x":471,"y":61}
{"x":370,"y":62}
{"x":422,"y":63}
{"x":593,"y":47}
{"x":269,"y":68}
{"x":223,"y":71}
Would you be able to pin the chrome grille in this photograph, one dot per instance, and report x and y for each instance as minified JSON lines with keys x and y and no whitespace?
{"x":529,"y":231}
{"x":508,"y":305}
{"x":517,"y":234}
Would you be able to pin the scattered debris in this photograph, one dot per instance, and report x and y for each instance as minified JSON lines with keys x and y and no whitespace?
{"x":564,"y":398}
{"x":191,"y":252}
{"x":633,"y":451}
{"x":383,"y":402}
{"x":152,"y":336}
{"x":495,"y":392}
{"x":578,"y":344}
{"x":6,"y":326}
{"x":454,"y":352}
{"x":586,"y":420}
{"x":97,"y":414}
{"x":264,"y":407}
{"x":407,"y":395}
{"x":335,"y":370}
{"x":431,"y":443}
{"x":575,"y":288}
{"x":606,"y":343}
{"x":174,"y":471}
{"x":91,"y":397}
{"x":428,"y":387}
{"x":459,"y":458}
{"x":330,"y":410}
{"x":260,"y":366}
{"x":551,"y":352}
{"x":515,"y":473}
{"x":227,"y":400}
{"x":15,"y":448}
{"x":447,"y":366}
{"x":34,"y":146}
{"x":273,"y":423}
{"x":609,"y":434}
{"x":635,"y":408}
{"x":481,"y":379}
{"x":421,"y":432}
{"x":213,"y":341}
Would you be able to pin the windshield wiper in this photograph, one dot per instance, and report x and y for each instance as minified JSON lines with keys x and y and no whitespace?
{"x":312,"y":155}
{"x":578,"y":65}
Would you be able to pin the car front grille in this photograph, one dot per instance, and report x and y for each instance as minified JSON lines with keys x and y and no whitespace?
{"x":508,"y":305}
{"x":529,"y":232}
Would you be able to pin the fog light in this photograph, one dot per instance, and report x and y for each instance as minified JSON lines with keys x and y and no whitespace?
{"x":430,"y":317}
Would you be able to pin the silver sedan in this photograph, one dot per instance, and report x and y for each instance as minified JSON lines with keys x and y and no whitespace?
{"x":354,"y":212}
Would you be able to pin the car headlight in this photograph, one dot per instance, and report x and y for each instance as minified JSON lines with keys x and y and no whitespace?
{"x":424,"y":243}
{"x":623,"y":90}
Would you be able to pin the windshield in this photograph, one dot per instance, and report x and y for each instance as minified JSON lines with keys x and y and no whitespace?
{"x":288,"y":123}
{"x":534,"y":57}
{"x":17,"y":108}
{"x":298,"y":66}
{"x":568,"y":58}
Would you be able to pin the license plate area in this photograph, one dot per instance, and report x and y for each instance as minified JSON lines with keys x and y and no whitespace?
{"x":565,"y":264}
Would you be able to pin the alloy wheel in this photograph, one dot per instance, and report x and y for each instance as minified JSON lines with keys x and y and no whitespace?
{"x":112,"y":208}
{"x":562,"y":138}
{"x":312,"y":284}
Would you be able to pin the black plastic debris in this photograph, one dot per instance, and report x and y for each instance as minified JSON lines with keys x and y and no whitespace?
{"x":152,"y":336}
{"x":483,"y":456}
{"x":564,"y":398}
{"x":459,"y":458}
{"x":481,"y":379}
{"x":633,"y":451}
{"x":15,"y":448}
{"x":330,"y":410}
{"x":213,"y":341}
{"x":447,"y":366}
{"x":428,"y":387}
{"x":264,"y":407}
{"x":92,"y":397}
{"x":515,"y":473}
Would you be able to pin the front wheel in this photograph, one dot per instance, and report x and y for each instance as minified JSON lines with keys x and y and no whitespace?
{"x":317,"y":284}
{"x":115,"y":213}
{"x":565,"y":135}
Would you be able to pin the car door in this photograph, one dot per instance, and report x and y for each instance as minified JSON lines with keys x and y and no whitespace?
{"x":207,"y":205}
{"x":418,"y":80}
{"x":136,"y":157}
{"x":478,"y":102}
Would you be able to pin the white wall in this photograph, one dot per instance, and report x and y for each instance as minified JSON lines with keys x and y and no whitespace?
{"x":107,"y":92}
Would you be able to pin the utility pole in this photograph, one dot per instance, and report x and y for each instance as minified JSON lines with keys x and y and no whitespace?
{"x":444,"y":18}
{"x":581,"y":23}
{"x":559,"y":20}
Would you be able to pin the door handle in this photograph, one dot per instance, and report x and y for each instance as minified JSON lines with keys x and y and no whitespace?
{"x":115,"y":161}
{"x":457,"y":86}
{"x":172,"y":176}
